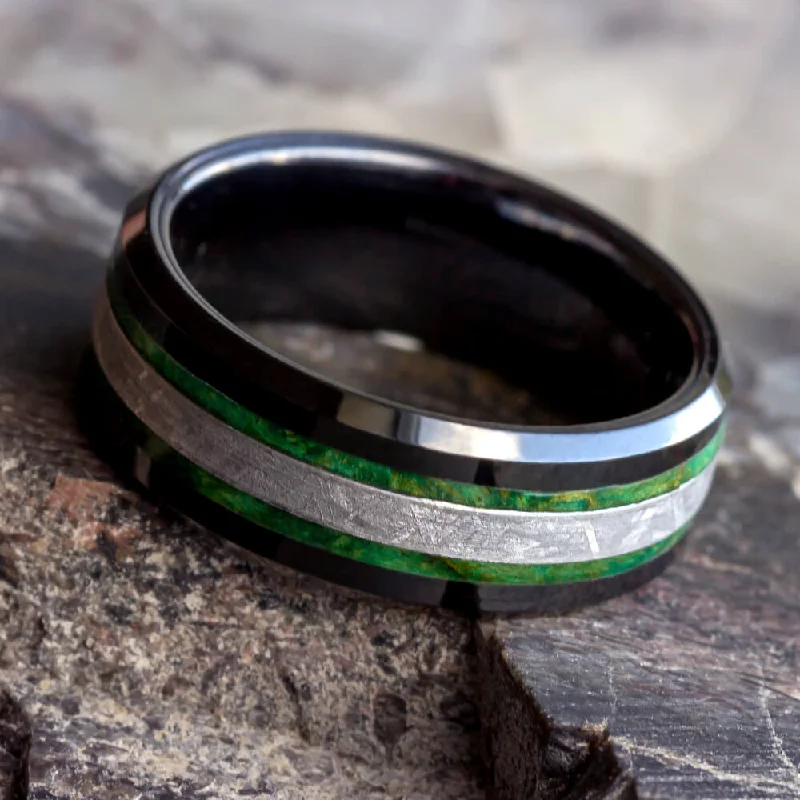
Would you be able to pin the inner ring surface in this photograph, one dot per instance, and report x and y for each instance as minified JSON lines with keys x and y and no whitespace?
{"x":551,"y":310}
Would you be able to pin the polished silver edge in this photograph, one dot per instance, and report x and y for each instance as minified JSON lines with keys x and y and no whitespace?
{"x":426,"y":526}
{"x":620,"y":440}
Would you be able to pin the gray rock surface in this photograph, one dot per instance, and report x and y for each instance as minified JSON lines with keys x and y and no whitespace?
{"x":691,"y":682}
{"x":15,"y":742}
{"x":150,"y":658}
{"x":142,"y":657}
{"x":150,"y":655}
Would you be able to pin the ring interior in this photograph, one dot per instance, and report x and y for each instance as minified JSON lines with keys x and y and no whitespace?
{"x":476,"y":275}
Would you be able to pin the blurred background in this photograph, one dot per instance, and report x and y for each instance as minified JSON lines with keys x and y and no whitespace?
{"x":678,"y":117}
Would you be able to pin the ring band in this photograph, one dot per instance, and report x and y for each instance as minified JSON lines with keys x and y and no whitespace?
{"x":514,"y":515}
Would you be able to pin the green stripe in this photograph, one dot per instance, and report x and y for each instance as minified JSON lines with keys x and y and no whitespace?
{"x":266,"y":516}
{"x":380,"y":475}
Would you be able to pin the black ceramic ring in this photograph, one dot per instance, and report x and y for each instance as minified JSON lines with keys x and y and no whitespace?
{"x":583,"y":498}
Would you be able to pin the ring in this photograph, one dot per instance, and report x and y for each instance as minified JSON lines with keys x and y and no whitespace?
{"x":570,"y":481}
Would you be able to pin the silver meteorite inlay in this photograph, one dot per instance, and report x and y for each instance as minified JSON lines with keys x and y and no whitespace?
{"x":418,"y":524}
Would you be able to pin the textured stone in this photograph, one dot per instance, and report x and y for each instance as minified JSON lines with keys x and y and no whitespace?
{"x":15,"y":742}
{"x":691,"y":681}
{"x":100,"y":88}
{"x":161,"y":656}
{"x":150,"y":658}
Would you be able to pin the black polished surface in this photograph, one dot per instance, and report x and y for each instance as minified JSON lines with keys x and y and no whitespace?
{"x":367,"y":249}
{"x":480,"y":265}
{"x":124,"y":287}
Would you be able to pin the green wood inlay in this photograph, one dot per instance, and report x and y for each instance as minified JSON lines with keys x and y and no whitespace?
{"x":386,"y":556}
{"x":380,"y":475}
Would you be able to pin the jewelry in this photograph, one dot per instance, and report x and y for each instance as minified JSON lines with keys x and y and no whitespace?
{"x":616,"y":353}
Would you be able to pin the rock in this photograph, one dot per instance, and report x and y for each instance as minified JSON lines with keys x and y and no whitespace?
{"x":684,"y":688}
{"x":15,"y":742}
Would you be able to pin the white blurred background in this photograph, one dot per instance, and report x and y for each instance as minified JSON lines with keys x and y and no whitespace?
{"x":679,"y":117}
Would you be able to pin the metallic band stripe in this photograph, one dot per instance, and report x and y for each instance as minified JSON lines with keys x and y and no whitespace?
{"x":433,"y":527}
{"x":385,"y":556}
{"x":384,"y":477}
